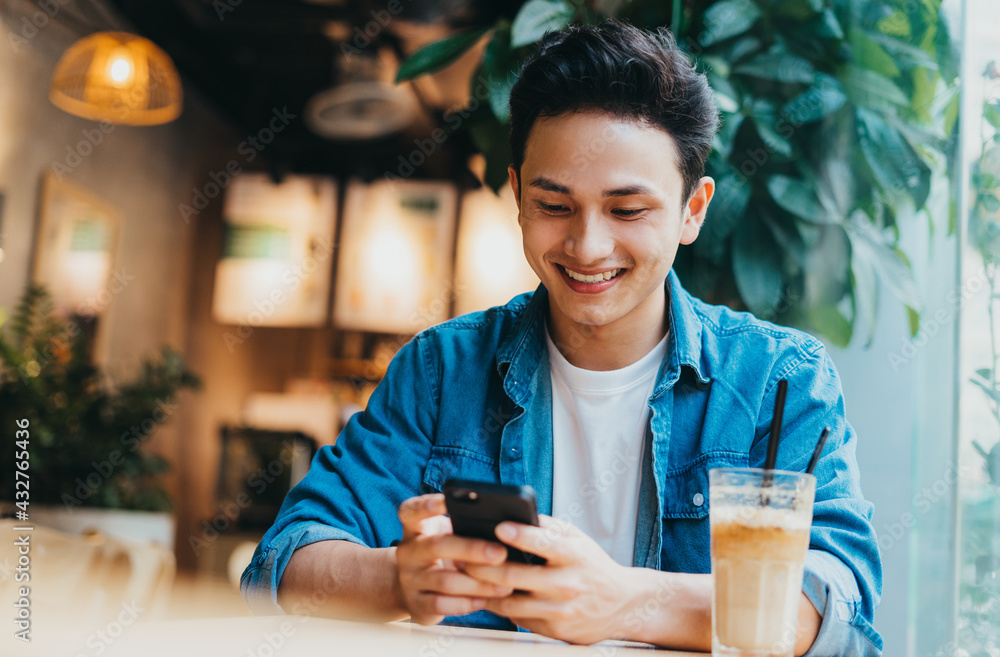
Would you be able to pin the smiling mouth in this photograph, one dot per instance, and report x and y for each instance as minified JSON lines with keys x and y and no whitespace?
{"x":594,"y":278}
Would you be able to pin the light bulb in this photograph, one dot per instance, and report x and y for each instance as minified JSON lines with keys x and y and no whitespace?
{"x":120,"y":68}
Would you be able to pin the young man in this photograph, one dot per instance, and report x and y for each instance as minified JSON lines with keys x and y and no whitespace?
{"x":609,"y":389}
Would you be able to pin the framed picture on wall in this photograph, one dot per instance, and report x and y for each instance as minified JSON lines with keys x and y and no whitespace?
{"x":394,"y":265}
{"x":75,"y":247}
{"x":277,"y":252}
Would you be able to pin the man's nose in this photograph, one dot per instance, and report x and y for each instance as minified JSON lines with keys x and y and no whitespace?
{"x":590,"y":240}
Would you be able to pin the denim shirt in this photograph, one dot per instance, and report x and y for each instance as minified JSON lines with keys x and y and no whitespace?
{"x":471,"y":399}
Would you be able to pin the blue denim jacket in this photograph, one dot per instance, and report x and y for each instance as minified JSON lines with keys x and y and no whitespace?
{"x":470,"y":398}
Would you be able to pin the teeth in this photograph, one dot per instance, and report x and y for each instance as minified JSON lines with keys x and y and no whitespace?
{"x":596,"y":278}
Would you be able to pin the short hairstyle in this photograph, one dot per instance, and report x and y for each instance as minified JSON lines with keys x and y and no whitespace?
{"x":630,"y":73}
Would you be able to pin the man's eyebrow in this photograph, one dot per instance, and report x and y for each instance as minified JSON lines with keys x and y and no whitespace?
{"x":630,"y":190}
{"x":544,"y":183}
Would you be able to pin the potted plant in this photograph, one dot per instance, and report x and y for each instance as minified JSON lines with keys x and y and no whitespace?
{"x":86,"y":436}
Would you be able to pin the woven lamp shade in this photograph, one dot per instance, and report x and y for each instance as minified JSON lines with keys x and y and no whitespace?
{"x":118,"y":78}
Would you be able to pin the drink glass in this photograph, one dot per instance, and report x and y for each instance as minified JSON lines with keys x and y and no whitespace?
{"x":760,"y":523}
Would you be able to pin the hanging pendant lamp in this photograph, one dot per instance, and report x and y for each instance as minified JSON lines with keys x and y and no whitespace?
{"x":118,"y":78}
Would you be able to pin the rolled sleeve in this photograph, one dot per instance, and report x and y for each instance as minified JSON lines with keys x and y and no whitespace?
{"x":832,"y":589}
{"x":259,"y":583}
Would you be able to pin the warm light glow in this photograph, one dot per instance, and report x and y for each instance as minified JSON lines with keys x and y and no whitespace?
{"x":1,"y":255}
{"x":390,"y":262}
{"x":118,"y":78}
{"x":120,"y":68}
{"x":491,"y":268}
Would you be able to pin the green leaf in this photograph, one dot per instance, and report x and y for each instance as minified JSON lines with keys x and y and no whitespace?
{"x":985,"y":372}
{"x":437,"y":55}
{"x":914,"y":320}
{"x":798,"y":9}
{"x":726,"y":96}
{"x":991,"y":112}
{"x":727,"y":19}
{"x":831,"y":28}
{"x":873,"y":55}
{"x":869,"y":89}
{"x":831,"y":324}
{"x":894,"y":163}
{"x":783,"y":67}
{"x":536,"y":18}
{"x":989,"y":202}
{"x":865,"y":290}
{"x":819,"y":101}
{"x":757,"y":267}
{"x":772,"y":139}
{"x":732,"y":196}
{"x":904,"y":55}
{"x":799,"y":198}
{"x":951,"y":115}
{"x":892,"y":269}
{"x":499,"y":67}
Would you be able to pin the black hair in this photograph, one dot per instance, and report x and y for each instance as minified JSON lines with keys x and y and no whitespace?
{"x":630,"y":73}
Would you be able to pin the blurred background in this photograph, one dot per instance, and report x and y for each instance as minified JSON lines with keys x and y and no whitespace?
{"x":219,"y":220}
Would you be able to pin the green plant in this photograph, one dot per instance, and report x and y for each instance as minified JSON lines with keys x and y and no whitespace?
{"x":979,"y":592}
{"x":86,"y":437}
{"x":836,"y":115}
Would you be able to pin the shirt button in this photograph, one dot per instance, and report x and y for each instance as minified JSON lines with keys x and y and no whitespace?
{"x":698,"y":499}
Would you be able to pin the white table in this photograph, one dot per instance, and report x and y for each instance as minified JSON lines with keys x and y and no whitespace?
{"x":292,"y":636}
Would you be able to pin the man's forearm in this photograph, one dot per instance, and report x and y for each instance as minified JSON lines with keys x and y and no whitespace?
{"x":675,"y":610}
{"x":339,"y":579}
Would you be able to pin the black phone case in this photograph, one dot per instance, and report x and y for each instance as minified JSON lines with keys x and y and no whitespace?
{"x":476,"y":508}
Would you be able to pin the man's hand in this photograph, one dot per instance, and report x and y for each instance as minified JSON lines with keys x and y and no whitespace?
{"x":578,"y":596}
{"x":431,"y":585}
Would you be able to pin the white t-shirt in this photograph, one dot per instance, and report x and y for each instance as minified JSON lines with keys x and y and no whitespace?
{"x":599,"y":422}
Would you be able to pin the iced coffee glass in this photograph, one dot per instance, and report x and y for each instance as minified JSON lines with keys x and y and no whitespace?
{"x":760,"y":535}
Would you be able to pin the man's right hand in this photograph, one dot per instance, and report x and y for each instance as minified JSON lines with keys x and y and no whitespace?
{"x":430,"y":559}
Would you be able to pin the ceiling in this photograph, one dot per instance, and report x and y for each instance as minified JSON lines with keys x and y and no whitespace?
{"x":250,"y":57}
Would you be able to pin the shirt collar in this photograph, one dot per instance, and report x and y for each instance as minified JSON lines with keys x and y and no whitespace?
{"x":685,"y":336}
{"x":523,"y":349}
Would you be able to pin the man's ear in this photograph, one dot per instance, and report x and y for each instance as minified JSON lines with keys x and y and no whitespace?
{"x":515,"y":186}
{"x":696,"y":208}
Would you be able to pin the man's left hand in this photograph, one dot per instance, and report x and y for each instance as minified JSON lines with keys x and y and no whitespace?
{"x":579,"y":596}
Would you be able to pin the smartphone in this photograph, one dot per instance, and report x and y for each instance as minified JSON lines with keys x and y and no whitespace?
{"x":476,"y":508}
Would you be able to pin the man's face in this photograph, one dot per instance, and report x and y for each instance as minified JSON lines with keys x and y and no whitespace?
{"x":602,"y":214}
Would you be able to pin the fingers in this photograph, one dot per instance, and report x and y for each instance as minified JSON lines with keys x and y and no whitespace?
{"x":431,"y":607}
{"x":546,"y":541}
{"x":414,"y":511}
{"x":428,"y":549}
{"x":513,"y":576}
{"x":523,"y":607}
{"x":454,"y":583}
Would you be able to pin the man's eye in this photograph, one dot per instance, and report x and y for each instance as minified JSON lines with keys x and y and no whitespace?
{"x":621,"y":212}
{"x":551,"y":208}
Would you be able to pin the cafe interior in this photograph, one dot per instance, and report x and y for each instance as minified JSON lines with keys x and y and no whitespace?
{"x":221,"y":219}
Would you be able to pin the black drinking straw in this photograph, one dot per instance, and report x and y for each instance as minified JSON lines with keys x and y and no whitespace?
{"x":819,"y":450}
{"x":772,"y":443}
